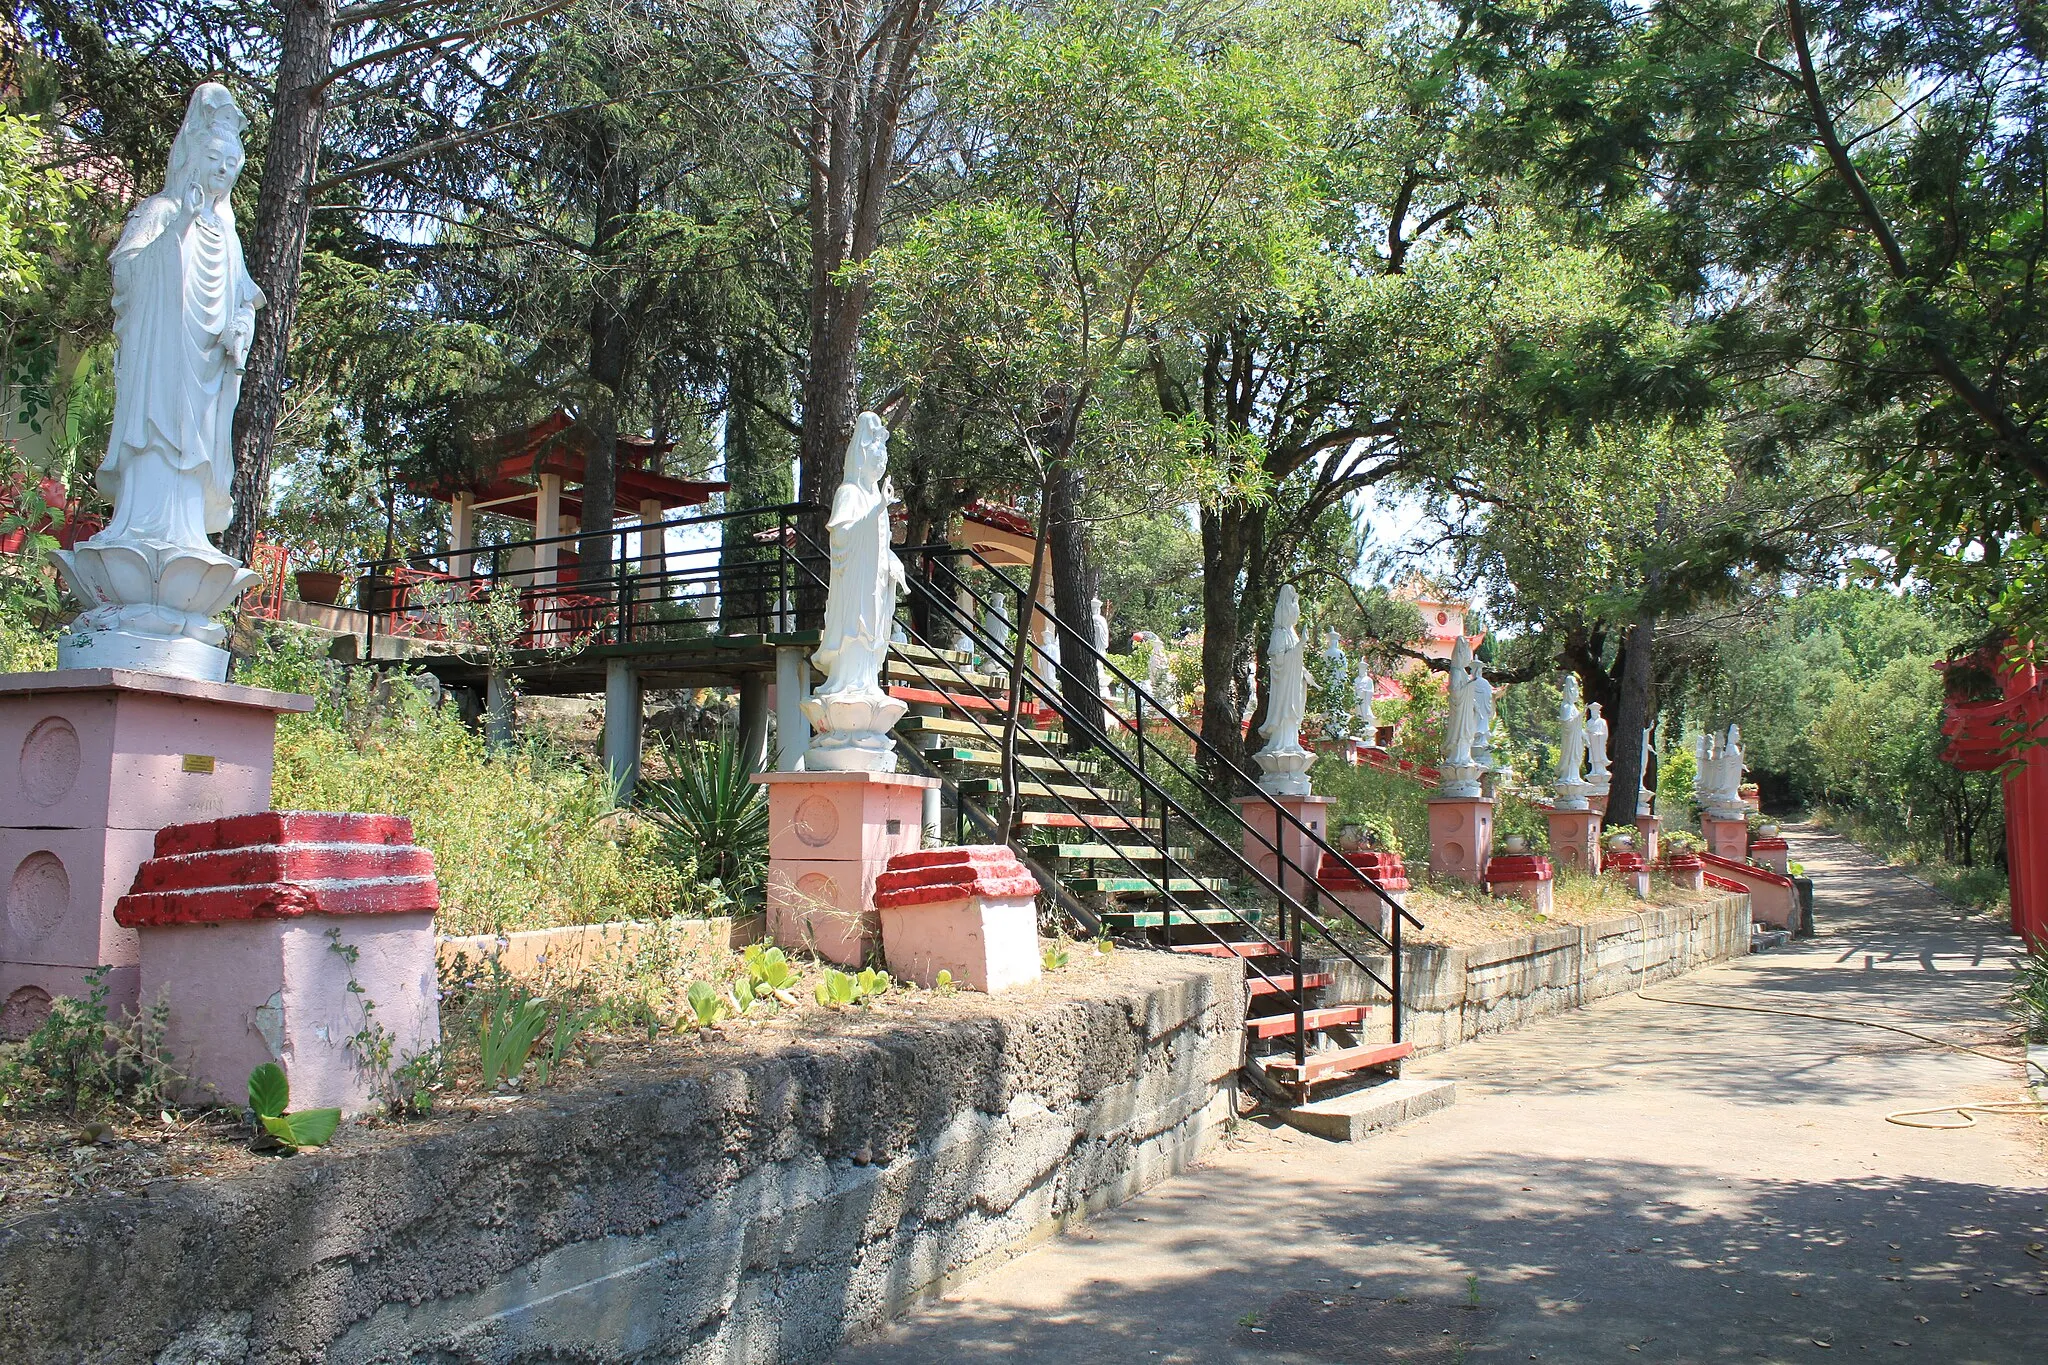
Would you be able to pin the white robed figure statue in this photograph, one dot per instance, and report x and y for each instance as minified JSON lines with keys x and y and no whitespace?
{"x":1572,"y":787}
{"x":1720,"y":792}
{"x":1482,"y":705}
{"x":184,"y":315}
{"x":1599,"y":772}
{"x":1337,"y":670}
{"x":1361,"y":704}
{"x":1283,"y":762}
{"x":851,"y":713}
{"x":1460,"y":773}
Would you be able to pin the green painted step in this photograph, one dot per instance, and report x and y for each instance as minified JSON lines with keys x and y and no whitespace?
{"x":954,"y":727}
{"x":1137,"y":853}
{"x":984,"y":758}
{"x":991,"y":786}
{"x":1157,"y":919}
{"x":1127,"y":886}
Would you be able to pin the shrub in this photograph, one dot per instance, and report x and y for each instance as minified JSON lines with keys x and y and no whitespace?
{"x":708,"y":810}
{"x":79,"y":1063}
{"x":2030,"y":993}
{"x":523,"y":838}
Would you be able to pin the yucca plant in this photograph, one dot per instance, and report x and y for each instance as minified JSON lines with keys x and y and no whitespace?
{"x":2030,"y":992}
{"x":707,"y":810}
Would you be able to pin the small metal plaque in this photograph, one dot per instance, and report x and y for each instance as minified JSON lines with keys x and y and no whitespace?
{"x":198,"y":763}
{"x":895,"y":827}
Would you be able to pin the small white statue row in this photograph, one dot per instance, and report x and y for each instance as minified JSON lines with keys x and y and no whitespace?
{"x":1582,"y":740}
{"x":1718,"y":785}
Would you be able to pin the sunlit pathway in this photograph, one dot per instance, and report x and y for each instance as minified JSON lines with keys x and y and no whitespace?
{"x":1636,"y":1181}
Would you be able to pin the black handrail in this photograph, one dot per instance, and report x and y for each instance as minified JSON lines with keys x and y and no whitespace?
{"x":1292,"y":909}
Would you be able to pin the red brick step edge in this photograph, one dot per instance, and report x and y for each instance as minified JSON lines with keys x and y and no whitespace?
{"x":951,"y":874}
{"x":280,"y":865}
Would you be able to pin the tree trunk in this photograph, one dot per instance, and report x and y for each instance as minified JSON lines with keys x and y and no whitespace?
{"x":1074,"y":588}
{"x":611,"y":353}
{"x":284,"y":206}
{"x":1226,"y":670}
{"x":1631,"y":718}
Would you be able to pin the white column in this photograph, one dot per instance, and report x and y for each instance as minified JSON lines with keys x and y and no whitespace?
{"x":792,"y":685}
{"x":461,"y":533}
{"x":653,"y":550}
{"x":622,"y":726}
{"x":547,"y":523}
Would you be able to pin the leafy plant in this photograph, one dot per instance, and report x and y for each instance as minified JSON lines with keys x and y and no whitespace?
{"x":270,"y":1096}
{"x":1679,"y":841}
{"x":943,"y":982}
{"x":507,"y":1034}
{"x":850,"y":988}
{"x":2029,"y":992}
{"x":770,"y":973}
{"x":708,"y":810}
{"x":77,"y":1061}
{"x":1056,"y":955}
{"x":707,"y":1005}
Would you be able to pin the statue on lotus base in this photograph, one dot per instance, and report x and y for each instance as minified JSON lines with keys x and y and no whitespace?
{"x":851,"y":714}
{"x":184,"y":313}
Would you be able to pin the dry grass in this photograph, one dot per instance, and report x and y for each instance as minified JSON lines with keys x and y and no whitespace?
{"x":1462,"y":916}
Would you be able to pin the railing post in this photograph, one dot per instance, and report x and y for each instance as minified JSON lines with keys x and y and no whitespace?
{"x":1395,"y":975}
{"x":1300,"y":988}
{"x":622,"y":629}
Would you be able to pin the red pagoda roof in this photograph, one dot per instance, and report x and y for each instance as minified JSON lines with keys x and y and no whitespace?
{"x":509,"y":482}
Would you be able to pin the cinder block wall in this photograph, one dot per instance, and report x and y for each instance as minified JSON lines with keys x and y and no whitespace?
{"x":1454,"y":994}
{"x":758,"y":1208}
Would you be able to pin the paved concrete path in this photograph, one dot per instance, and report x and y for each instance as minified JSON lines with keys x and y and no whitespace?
{"x":1630,"y":1182}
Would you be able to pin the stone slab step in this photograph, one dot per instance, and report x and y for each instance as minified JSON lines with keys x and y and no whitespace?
{"x":1283,"y":982}
{"x":1282,"y":1025}
{"x":1341,"y":1061}
{"x":946,"y":675}
{"x":1373,"y":1109}
{"x":922,"y":653}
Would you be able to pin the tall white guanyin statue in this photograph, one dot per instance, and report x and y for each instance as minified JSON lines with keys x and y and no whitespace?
{"x":1098,"y":635}
{"x":1646,"y":795}
{"x":1572,"y":787}
{"x":1366,"y":726}
{"x":1460,"y":773}
{"x":184,"y":313}
{"x":1158,"y":669}
{"x":1283,"y":762}
{"x":1723,"y":800}
{"x":1599,"y":772}
{"x":851,"y":713}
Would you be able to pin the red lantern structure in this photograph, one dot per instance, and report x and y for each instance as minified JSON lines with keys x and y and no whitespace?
{"x":2007,"y":734}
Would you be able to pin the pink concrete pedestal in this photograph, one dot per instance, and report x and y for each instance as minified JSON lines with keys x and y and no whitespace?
{"x":1773,"y":853}
{"x":970,"y":911}
{"x":1525,"y":876}
{"x":93,"y":762}
{"x":1575,"y":839}
{"x":1597,"y":801}
{"x":1647,"y":828}
{"x":1355,"y":894}
{"x":1687,"y":872}
{"x":1267,"y":828}
{"x":1631,"y":868}
{"x":1726,"y":838}
{"x":830,"y":835}
{"x":1460,"y":837}
{"x":244,"y":925}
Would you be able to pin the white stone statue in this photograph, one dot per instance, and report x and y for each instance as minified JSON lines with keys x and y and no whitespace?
{"x":1599,"y":772}
{"x":1361,"y":704}
{"x":1721,"y":795}
{"x":995,"y":623}
{"x":1572,"y":787}
{"x":1098,"y":635}
{"x":1460,"y":772}
{"x":850,"y":712}
{"x":1482,"y":704}
{"x":1702,"y":770}
{"x":1337,"y":665}
{"x":1283,"y":762}
{"x":184,"y":313}
{"x":1646,"y":796}
{"x":1158,"y":669}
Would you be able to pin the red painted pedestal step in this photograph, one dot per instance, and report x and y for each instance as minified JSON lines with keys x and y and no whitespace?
{"x":1687,"y":871}
{"x":1527,"y":876}
{"x":1631,"y":867}
{"x":971,"y":912}
{"x":1337,"y":877}
{"x":282,"y":936}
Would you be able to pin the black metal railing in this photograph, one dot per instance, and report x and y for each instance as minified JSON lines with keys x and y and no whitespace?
{"x":1242,"y":844}
{"x":650,"y":588}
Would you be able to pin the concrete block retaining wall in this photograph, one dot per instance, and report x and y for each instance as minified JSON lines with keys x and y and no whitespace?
{"x":1455,"y":994}
{"x":761,"y":1207}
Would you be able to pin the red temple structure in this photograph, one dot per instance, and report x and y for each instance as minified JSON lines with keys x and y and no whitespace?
{"x":2008,"y":735}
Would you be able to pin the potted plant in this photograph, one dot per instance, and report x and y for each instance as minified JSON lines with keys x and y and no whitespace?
{"x":321,"y":579}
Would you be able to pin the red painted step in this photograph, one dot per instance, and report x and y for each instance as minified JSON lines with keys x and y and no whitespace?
{"x":1281,"y":1025}
{"x":1337,"y":1062}
{"x":962,"y":701}
{"x":1284,"y":981}
{"x":1227,"y":949}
